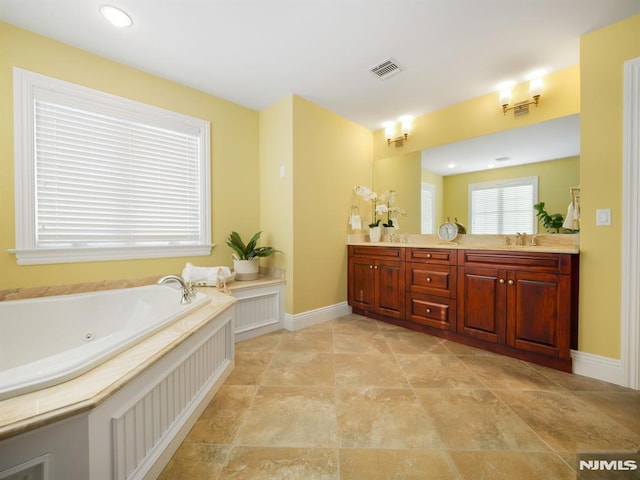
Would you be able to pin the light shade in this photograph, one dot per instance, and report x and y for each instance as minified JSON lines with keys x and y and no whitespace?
{"x":505,"y":96}
{"x":535,"y":87}
{"x":115,"y":16}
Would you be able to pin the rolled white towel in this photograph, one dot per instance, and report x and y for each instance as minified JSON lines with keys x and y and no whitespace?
{"x":192,"y":273}
{"x":570,"y":218}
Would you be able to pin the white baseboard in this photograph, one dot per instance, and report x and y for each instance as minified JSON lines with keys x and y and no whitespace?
{"x":598,"y":367}
{"x":314,"y":317}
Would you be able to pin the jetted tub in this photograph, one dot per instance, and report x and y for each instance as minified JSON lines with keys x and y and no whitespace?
{"x":49,"y":340}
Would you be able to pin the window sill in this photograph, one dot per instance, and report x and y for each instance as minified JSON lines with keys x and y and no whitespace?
{"x":41,"y":256}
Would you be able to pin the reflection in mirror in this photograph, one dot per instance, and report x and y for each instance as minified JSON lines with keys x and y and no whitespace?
{"x":434,"y":184}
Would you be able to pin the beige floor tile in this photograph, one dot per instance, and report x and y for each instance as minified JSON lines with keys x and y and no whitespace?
{"x":307,"y":341}
{"x":250,"y":368}
{"x":574,"y":382}
{"x":461,"y":349}
{"x":511,"y":466}
{"x":383,"y":418}
{"x":359,"y":342}
{"x":291,"y":417}
{"x":259,"y":463}
{"x":390,"y":327}
{"x":355,"y":323}
{"x":438,"y":371}
{"x":196,"y":462}
{"x":222,"y":418}
{"x":359,"y":464}
{"x":567,"y":423}
{"x":504,"y":373}
{"x":300,"y":368}
{"x":477,"y":420}
{"x":264,"y":343}
{"x":414,"y":343}
{"x":623,"y":407}
{"x":364,"y":370}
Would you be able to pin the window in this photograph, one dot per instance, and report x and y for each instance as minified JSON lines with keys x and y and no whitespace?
{"x":503,"y":207}
{"x":100,"y":177}
{"x":427,"y":193}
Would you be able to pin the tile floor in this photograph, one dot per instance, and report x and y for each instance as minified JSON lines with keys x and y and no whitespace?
{"x":354,"y":398}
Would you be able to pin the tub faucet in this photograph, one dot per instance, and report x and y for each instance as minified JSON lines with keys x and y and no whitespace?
{"x":188,"y":290}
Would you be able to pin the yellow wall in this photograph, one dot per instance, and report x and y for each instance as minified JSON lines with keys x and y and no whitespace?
{"x":554,"y":179}
{"x":234,"y":155}
{"x":602,"y":55}
{"x":402,"y":174}
{"x":331,"y":155}
{"x":276,"y":188}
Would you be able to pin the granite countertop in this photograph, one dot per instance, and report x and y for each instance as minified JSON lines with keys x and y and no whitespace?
{"x":549,"y":243}
{"x":32,"y":410}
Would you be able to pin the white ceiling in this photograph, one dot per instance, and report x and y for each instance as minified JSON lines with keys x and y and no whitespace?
{"x":256,"y":52}
{"x":540,"y":142}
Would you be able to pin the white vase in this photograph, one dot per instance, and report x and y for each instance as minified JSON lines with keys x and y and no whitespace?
{"x":246,"y":269}
{"x":374,"y":234}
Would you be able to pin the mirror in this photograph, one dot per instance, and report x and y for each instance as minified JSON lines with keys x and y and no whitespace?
{"x":548,"y":150}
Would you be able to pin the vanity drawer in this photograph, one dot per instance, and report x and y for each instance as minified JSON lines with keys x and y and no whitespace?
{"x":375,"y":252}
{"x":430,"y":279}
{"x":438,"y":256}
{"x":436,"y":312}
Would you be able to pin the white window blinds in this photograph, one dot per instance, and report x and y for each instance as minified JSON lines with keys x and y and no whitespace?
{"x":426,"y":208}
{"x":503,"y":207}
{"x":100,"y":177}
{"x":101,"y":181}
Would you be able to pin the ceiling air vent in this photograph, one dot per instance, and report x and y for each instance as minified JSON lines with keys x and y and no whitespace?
{"x":386,"y":69}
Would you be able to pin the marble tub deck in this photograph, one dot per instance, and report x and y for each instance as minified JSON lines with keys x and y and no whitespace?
{"x":354,"y":398}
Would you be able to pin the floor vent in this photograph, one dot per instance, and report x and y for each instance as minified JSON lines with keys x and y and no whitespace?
{"x":386,"y":69}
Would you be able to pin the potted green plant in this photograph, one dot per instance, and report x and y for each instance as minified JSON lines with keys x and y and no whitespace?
{"x":246,"y":256}
{"x":550,"y":222}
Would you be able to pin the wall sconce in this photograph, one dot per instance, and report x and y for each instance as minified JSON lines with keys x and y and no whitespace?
{"x":521,"y":108}
{"x":390,"y":131}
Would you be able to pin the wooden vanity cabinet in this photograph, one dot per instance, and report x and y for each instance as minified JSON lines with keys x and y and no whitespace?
{"x":376,"y":281}
{"x":521,"y":304}
{"x":431,"y":287}
{"x":525,"y":301}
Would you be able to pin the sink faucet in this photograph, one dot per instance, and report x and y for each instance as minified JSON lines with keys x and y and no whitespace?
{"x":520,"y":238}
{"x":532,"y":242}
{"x":188,"y":290}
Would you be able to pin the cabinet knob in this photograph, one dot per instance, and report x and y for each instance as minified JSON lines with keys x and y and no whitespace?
{"x":376,"y":267}
{"x":510,"y":282}
{"x":370,"y":266}
{"x":428,"y":279}
{"x":428,"y":255}
{"x":428,"y":310}
{"x":501,"y":280}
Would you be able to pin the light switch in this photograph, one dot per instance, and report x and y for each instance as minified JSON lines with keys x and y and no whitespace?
{"x":603,"y":217}
{"x":281,"y":171}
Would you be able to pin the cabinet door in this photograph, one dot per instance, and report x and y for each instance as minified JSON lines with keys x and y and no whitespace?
{"x":538,"y":315}
{"x":482,"y":303}
{"x":361,"y":283}
{"x":389,"y":288}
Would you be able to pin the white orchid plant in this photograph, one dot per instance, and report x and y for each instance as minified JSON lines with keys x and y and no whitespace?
{"x":380,"y":205}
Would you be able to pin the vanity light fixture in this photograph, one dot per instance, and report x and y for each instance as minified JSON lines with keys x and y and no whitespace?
{"x":115,"y":16}
{"x":390,"y":129}
{"x":521,"y":108}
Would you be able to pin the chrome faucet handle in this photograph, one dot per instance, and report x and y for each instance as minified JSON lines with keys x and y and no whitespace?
{"x":191,"y":289}
{"x":532,"y":241}
{"x":505,"y":241}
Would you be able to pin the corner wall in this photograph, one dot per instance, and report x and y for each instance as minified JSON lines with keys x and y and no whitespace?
{"x":602,"y":56}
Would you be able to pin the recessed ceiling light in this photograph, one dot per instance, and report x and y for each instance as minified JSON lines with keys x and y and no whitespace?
{"x":451,"y":165}
{"x":491,"y":165}
{"x":115,"y":16}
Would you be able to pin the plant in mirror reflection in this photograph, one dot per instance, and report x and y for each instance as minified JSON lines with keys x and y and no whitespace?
{"x":381,"y":205}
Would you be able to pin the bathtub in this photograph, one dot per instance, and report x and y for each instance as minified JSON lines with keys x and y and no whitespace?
{"x":49,"y":340}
